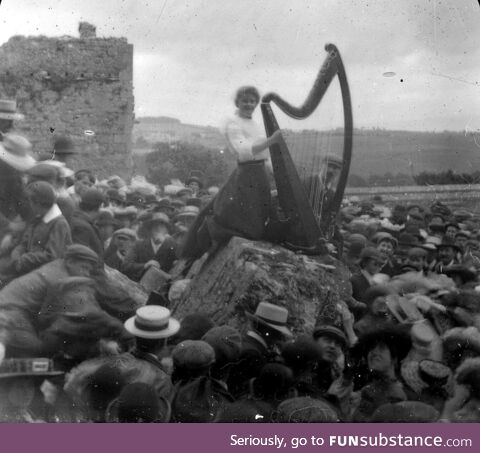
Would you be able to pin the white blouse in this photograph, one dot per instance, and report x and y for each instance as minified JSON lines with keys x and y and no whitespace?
{"x":241,"y":135}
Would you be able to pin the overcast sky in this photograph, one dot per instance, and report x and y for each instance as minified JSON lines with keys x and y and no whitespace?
{"x":190,"y":56}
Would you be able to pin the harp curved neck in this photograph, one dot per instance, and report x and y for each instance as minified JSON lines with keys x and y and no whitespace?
{"x":326,"y":74}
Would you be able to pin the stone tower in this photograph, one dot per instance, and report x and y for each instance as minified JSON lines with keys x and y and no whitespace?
{"x":78,"y":87}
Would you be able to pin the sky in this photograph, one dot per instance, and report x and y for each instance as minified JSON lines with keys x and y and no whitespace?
{"x":411,"y":64}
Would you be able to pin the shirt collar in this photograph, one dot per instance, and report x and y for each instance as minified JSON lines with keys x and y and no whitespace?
{"x":52,"y":214}
{"x":155,"y":246}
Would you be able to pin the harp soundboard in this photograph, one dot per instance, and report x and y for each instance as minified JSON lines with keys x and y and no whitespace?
{"x":307,"y":203}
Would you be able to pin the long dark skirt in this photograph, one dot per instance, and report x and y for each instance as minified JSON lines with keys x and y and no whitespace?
{"x":242,"y":208}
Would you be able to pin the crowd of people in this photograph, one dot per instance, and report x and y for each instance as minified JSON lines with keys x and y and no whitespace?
{"x":406,"y":347}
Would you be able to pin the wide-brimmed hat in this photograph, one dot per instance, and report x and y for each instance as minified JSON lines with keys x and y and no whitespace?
{"x":8,"y":110}
{"x":31,"y":367}
{"x":15,"y":151}
{"x":396,"y":338}
{"x":152,"y":322}
{"x":446,"y":244}
{"x":272,"y":316}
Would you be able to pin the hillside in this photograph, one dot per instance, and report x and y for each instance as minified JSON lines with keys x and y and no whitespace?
{"x":375,"y":152}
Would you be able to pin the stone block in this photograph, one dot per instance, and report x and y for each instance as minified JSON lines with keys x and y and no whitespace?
{"x":245,"y":273}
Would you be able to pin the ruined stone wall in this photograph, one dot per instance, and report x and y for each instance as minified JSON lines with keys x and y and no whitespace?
{"x":78,"y":87}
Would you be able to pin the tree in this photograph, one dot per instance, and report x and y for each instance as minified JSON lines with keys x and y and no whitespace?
{"x":179,"y":159}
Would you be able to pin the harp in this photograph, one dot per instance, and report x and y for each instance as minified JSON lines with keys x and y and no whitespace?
{"x":302,"y":199}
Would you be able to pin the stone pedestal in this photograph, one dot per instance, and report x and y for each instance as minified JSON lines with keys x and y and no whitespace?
{"x":245,"y":273}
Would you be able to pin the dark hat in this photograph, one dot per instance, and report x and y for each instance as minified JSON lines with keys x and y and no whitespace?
{"x":129,"y":211}
{"x":104,"y":218}
{"x":394,"y":337}
{"x":193,"y":355}
{"x":405,"y":412}
{"x":42,"y":193}
{"x":275,"y":381}
{"x":177,"y":203}
{"x":139,"y":403}
{"x":244,"y":411}
{"x":463,"y":271}
{"x":184,"y":191}
{"x":305,"y":409}
{"x":226,"y":341}
{"x":384,"y":236}
{"x":103,"y":385}
{"x":194,"y":326}
{"x":91,"y":200}
{"x":194,"y":201}
{"x":406,"y":240}
{"x":463,"y":233}
{"x":82,"y":253}
{"x":300,"y":353}
{"x":376,"y":291}
{"x":126,"y":233}
{"x":194,"y":179}
{"x":461,"y":215}
{"x":452,"y":224}
{"x":16,"y":367}
{"x":417,"y":251}
{"x":371,"y":253}
{"x":272,"y":316}
{"x":155,"y":218}
{"x":64,"y":145}
{"x":447,"y":244}
{"x":115,"y":195}
{"x":43,"y":172}
{"x":331,"y":332}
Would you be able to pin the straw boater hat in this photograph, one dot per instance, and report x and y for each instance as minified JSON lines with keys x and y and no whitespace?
{"x":36,"y":367}
{"x":8,"y":110}
{"x":272,"y":316}
{"x":152,"y":322}
{"x":15,"y":151}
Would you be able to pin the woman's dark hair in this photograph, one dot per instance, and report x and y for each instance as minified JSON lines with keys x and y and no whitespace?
{"x":247,"y":89}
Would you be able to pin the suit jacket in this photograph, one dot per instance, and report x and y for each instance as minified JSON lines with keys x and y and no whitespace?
{"x":253,"y":357}
{"x":85,"y":232}
{"x":41,"y":243}
{"x":142,"y":252}
{"x":359,"y":286}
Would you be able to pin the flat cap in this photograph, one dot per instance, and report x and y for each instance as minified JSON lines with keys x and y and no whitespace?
{"x":81,"y":252}
{"x":193,"y":354}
